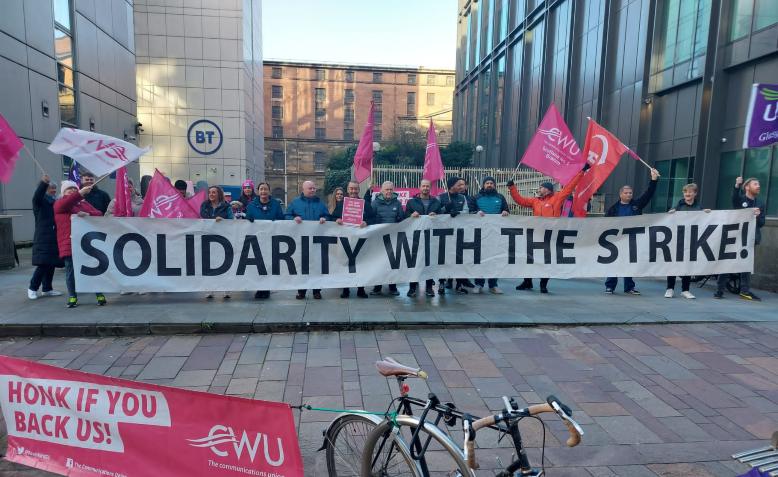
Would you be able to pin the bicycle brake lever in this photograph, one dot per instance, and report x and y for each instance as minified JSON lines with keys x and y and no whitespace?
{"x":563,"y":415}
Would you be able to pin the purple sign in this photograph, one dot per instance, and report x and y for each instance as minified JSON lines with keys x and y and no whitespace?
{"x":762,"y":121}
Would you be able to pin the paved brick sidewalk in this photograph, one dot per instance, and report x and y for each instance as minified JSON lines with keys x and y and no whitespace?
{"x":667,"y":400}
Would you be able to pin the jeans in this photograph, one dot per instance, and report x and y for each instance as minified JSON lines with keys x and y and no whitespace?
{"x":492,"y":282}
{"x":685,"y":281}
{"x":629,"y":283}
{"x":43,"y":274}
{"x":745,"y":282}
{"x":70,"y":278}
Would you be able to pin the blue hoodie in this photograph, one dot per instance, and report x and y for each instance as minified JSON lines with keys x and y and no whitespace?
{"x":259,"y":211}
{"x":307,"y":209}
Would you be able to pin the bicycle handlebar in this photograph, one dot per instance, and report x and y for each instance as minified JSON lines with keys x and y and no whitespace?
{"x":552,"y":404}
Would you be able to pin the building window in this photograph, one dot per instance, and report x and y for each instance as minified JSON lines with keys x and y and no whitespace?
{"x":675,"y":173}
{"x":378,"y":97}
{"x":63,"y":51}
{"x":751,"y":15}
{"x":319,"y":75}
{"x":62,"y":13}
{"x":349,"y":76}
{"x":278,"y":160}
{"x":348,"y":115}
{"x":321,"y":133}
{"x":431,"y":80}
{"x":430,"y":99}
{"x":320,"y":94}
{"x":411,"y":104}
{"x":348,"y":96}
{"x":684,"y":32}
{"x":348,"y":134}
{"x":278,"y":132}
{"x":319,"y":161}
{"x":377,"y":136}
{"x":449,"y":81}
{"x":276,"y":73}
{"x":277,"y":92}
{"x":320,"y":114}
{"x":378,"y":77}
{"x":278,"y":112}
{"x":411,"y":79}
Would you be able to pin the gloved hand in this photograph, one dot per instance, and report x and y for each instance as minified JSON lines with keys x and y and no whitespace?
{"x":586,"y":166}
{"x":368,"y":195}
{"x":250,"y":219}
{"x":510,"y":183}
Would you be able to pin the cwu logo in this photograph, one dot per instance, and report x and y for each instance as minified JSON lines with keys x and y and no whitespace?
{"x":222,"y":441}
{"x":205,"y":137}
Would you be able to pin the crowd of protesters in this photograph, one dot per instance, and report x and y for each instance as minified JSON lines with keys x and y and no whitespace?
{"x":52,"y":247}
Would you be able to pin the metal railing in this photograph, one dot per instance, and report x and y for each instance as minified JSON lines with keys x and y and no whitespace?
{"x":527,"y":182}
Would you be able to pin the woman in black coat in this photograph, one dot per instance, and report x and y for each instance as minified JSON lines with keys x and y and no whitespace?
{"x":45,"y":254}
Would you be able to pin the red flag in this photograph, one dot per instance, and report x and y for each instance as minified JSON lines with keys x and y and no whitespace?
{"x":123,"y":206}
{"x":433,"y":164}
{"x":363,"y":159}
{"x":163,"y":201}
{"x":553,"y":150}
{"x":197,"y":199}
{"x":602,"y":150}
{"x":10,"y":145}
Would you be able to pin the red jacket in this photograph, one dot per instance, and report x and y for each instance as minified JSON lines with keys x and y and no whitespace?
{"x":550,"y":205}
{"x":63,"y":209}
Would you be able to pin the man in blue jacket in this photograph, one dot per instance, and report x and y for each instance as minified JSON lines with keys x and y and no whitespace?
{"x":307,"y":207}
{"x":489,"y":201}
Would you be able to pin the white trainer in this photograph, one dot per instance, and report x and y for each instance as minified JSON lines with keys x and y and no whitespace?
{"x":477,"y":290}
{"x":32,"y":294}
{"x":688,"y":295}
{"x":669,"y":293}
{"x":51,"y":293}
{"x":495,"y":291}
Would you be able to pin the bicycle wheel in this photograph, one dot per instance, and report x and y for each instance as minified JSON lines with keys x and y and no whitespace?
{"x":386,"y":451}
{"x":345,"y":441}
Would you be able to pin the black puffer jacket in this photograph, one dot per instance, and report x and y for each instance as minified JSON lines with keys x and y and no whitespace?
{"x":44,"y":245}
{"x":454,"y":203}
{"x":416,"y":205}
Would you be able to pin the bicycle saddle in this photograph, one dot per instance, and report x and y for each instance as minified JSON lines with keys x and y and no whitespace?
{"x":389,"y":367}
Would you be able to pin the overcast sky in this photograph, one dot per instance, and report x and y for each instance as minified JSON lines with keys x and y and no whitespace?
{"x":387,"y":32}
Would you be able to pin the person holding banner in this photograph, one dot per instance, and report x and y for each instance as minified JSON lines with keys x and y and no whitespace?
{"x":72,"y":202}
{"x":745,"y":198}
{"x":215,"y":207}
{"x":264,"y":207}
{"x":423,"y":204}
{"x":307,"y":207}
{"x":545,"y":204}
{"x":45,"y":255}
{"x":135,"y":198}
{"x":688,"y":203}
{"x":628,"y":206}
{"x":387,"y":210}
{"x":352,"y":189}
{"x":455,"y":201}
{"x":247,"y":194}
{"x":99,"y":199}
{"x":490,"y":202}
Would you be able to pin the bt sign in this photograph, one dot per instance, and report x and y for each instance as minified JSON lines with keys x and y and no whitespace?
{"x":205,"y":137}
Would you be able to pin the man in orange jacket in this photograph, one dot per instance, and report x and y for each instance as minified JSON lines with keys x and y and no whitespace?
{"x":546,"y":204}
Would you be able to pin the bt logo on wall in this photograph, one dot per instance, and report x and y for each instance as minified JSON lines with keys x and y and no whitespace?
{"x":205,"y":137}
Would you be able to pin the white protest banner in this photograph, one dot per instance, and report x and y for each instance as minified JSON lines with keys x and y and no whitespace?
{"x":139,"y":254}
{"x":99,"y":153}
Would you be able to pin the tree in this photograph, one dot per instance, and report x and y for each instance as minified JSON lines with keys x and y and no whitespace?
{"x":456,"y":155}
{"x":336,"y":178}
{"x":342,"y":158}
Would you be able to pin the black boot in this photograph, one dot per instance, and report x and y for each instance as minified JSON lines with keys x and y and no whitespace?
{"x":525,"y":285}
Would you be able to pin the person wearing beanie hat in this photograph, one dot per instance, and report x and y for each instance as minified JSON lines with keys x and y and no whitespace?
{"x":490,"y":201}
{"x":546,"y":203}
{"x":455,"y":201}
{"x":72,"y":202}
{"x":65,"y":185}
{"x":247,"y":194}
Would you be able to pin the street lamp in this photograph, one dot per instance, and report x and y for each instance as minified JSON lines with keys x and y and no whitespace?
{"x":479,"y":149}
{"x":376,"y":147}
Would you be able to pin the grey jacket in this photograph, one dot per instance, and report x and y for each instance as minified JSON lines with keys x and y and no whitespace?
{"x":387,"y":211}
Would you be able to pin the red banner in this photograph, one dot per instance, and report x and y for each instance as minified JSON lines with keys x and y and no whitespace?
{"x":603,"y":151}
{"x":81,"y":424}
{"x":353,"y":211}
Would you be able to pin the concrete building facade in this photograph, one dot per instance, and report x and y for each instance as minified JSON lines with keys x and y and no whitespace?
{"x":62,"y":63}
{"x":314,"y":109}
{"x":672,"y":79}
{"x":199,"y":88}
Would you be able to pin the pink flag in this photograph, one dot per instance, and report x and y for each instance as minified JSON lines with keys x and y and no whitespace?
{"x":552,"y":150}
{"x":363,"y":159}
{"x":123,"y":206}
{"x":433,"y":164}
{"x":10,"y":145}
{"x":163,"y":201}
{"x":196,"y":200}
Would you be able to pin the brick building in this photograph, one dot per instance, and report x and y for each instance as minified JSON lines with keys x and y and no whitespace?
{"x":313,"y":109}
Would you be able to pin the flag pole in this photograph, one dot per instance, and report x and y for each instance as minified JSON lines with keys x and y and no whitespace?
{"x":100,"y":179}
{"x":34,"y":160}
